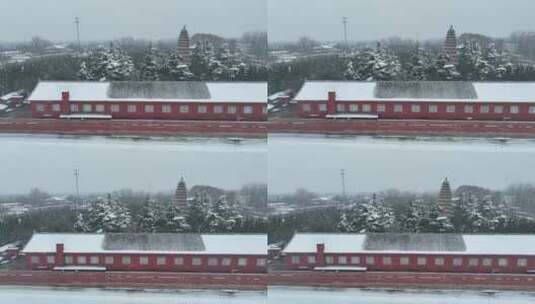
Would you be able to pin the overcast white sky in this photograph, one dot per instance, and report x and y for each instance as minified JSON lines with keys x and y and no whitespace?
{"x":373,"y":19}
{"x":107,"y":19}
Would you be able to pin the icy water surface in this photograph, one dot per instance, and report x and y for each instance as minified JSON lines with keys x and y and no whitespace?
{"x":284,"y":295}
{"x":142,"y":164}
{"x":410,"y":164}
{"x":42,"y":295}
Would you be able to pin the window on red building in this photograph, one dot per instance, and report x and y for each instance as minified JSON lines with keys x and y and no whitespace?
{"x":473,"y":262}
{"x":149,"y":108}
{"x":522,"y":262}
{"x":355,"y":260}
{"x":342,"y":260}
{"x":196,"y":261}
{"x":415,"y":108}
{"x":450,"y":109}
{"x":307,"y":108}
{"x":109,"y":260}
{"x":498,"y":109}
{"x":184,"y":109}
{"x":457,"y":262}
{"x":132,"y":108}
{"x":513,"y":109}
{"x":484,"y":109}
{"x":51,"y":259}
{"x":311,"y":259}
{"x":82,"y":259}
{"x":126,"y":260}
{"x":86,"y":107}
{"x":69,"y":260}
{"x":468,"y":109}
{"x":532,"y":110}
{"x":212,"y":262}
{"x":421,"y":261}
{"x":370,"y":260}
{"x":502,"y":262}
{"x":381,"y":108}
{"x":179,"y":260}
{"x":404,"y":261}
{"x":202,"y":109}
{"x":248,"y":110}
{"x":99,"y":108}
{"x":231,"y":109}
{"x":296,"y":259}
{"x":226,"y":261}
{"x":115,"y":108}
{"x":161,"y":261}
{"x":242,"y":262}
{"x":40,"y":107}
{"x":35,"y":259}
{"x":433,"y":109}
{"x":341,"y":107}
{"x":366,"y":108}
{"x":143,"y":260}
{"x":353,"y":108}
{"x":260,"y":262}
{"x":166,"y":109}
{"x":94,"y":260}
{"x":487,"y":262}
{"x":218,"y":109}
{"x":387,"y":260}
{"x":439,"y":261}
{"x":329,"y":259}
{"x":56,"y":107}
{"x":398,"y":108}
{"x":74,"y":108}
{"x":322,"y":107}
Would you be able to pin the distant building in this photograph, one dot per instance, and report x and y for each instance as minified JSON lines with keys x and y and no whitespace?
{"x":181,"y":100}
{"x":441,"y":100}
{"x":417,"y":252}
{"x":444,"y":197}
{"x":450,"y":46}
{"x":175,"y":252}
{"x":183,"y":46}
{"x":181,"y":194}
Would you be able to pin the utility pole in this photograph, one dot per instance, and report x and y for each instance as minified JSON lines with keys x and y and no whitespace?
{"x":76,"y":175}
{"x":343,"y":175}
{"x":344,"y":21}
{"x":77,"y":22}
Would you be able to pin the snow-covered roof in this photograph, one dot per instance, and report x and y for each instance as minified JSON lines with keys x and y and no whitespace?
{"x":136,"y":91}
{"x":445,"y":91}
{"x":163,"y":243}
{"x":459,"y":244}
{"x":8,"y":96}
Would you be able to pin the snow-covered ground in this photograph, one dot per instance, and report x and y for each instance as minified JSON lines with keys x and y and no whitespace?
{"x":285,"y":295}
{"x":109,"y":164}
{"x":32,"y":295}
{"x":378,"y":163}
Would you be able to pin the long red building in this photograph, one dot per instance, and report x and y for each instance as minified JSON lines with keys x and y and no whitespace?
{"x":513,"y":101}
{"x":150,"y":100}
{"x":172,"y":252}
{"x":463,"y":253}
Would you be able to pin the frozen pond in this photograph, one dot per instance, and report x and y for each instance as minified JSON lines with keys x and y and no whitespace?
{"x":412,"y":164}
{"x":33,"y":295}
{"x":283,"y":295}
{"x":107,"y":164}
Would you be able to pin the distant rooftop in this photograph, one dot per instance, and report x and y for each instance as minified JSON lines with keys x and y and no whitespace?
{"x":143,"y":91}
{"x":446,"y":91}
{"x":425,"y":243}
{"x":173,"y":243}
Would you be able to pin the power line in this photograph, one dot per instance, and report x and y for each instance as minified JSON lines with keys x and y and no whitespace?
{"x":76,"y":176}
{"x":344,"y":21}
{"x":343,"y":175}
{"x":77,"y":22}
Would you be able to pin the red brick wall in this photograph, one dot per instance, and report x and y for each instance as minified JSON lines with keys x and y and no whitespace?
{"x":430,"y":266}
{"x":258,"y":114}
{"x":135,"y":264}
{"x":389,"y":113}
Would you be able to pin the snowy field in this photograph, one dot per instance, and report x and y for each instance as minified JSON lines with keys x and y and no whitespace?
{"x":33,"y":295}
{"x":379,"y":163}
{"x":285,"y":295}
{"x":108,"y":164}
